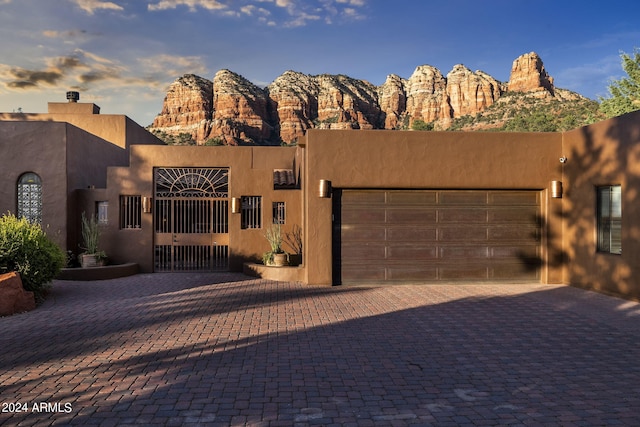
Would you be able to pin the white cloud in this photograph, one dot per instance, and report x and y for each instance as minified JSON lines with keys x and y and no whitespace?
{"x":193,"y":5}
{"x":171,"y":66}
{"x":90,"y":6}
{"x":297,"y":12}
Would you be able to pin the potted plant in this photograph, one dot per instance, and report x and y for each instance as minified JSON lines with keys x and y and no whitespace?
{"x":276,"y":256}
{"x":92,"y":256}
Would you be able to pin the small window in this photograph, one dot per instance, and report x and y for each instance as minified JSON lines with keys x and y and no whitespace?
{"x":251,"y":212}
{"x":102,"y":212}
{"x":609,"y":219}
{"x":30,"y":198}
{"x":278,"y":213}
{"x":130,"y":212}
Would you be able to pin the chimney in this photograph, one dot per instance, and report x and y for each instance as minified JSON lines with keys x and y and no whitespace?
{"x":73,"y":96}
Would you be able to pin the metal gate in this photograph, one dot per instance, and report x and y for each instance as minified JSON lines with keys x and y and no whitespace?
{"x":191,"y":215}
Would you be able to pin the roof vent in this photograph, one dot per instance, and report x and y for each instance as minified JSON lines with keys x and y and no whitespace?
{"x":73,"y":96}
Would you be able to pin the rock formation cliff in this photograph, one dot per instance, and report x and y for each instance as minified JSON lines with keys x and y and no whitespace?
{"x":187,"y":107}
{"x":236,"y":111}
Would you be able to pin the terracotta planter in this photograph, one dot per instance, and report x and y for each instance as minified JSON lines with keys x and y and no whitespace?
{"x":91,"y":260}
{"x":280,"y":260}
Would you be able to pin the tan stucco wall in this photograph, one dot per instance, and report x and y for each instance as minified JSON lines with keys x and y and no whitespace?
{"x":66,"y":158}
{"x":433,"y":160}
{"x":251,"y":174}
{"x":37,"y":147}
{"x":117,"y":129}
{"x":88,"y":157}
{"x":606,"y":153}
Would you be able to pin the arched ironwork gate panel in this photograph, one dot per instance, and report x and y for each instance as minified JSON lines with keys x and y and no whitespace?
{"x":191,"y":216}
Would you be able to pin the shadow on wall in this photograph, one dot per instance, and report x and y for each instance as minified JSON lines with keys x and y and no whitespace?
{"x":557,"y":256}
{"x":604,"y":158}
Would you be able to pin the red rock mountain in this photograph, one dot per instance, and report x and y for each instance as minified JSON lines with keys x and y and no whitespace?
{"x":236,"y":111}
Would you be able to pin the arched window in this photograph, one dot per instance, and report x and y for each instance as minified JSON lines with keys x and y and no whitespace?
{"x":30,"y":197}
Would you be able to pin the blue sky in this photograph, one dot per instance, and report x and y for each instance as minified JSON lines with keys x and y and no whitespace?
{"x":123,"y":54}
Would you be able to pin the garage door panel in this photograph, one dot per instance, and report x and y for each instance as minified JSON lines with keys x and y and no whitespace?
{"x":399,"y":198}
{"x":411,"y":234}
{"x":464,"y":252}
{"x":411,"y":216}
{"x":515,"y":215}
{"x":368,"y":252}
{"x":514,"y":198}
{"x":514,"y":252}
{"x":521,"y":234}
{"x":411,"y":273}
{"x":411,"y":253}
{"x":462,"y":215}
{"x":463,"y":271}
{"x":515,"y":271}
{"x":356,"y":233}
{"x":357,"y":273}
{"x":397,"y":236}
{"x":363,"y":215}
{"x":364,"y":198}
{"x":458,"y":198}
{"x":462,"y":233}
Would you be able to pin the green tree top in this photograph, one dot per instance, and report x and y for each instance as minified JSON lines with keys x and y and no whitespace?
{"x":624,"y":93}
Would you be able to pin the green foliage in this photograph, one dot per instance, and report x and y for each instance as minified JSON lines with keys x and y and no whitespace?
{"x":624,"y":93}
{"x":182,"y":138}
{"x":553,"y":117}
{"x":519,"y":112}
{"x":273,"y":234}
{"x":26,"y":249}
{"x":461,"y":122}
{"x":419,"y":124}
{"x":214,"y":142}
{"x":333,"y":119}
{"x":90,"y":234}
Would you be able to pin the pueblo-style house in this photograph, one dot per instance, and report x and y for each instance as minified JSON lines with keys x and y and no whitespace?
{"x":372,"y":206}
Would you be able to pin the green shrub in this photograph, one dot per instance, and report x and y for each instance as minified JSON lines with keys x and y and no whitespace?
{"x":26,"y":249}
{"x":421,"y":125}
{"x":214,"y":142}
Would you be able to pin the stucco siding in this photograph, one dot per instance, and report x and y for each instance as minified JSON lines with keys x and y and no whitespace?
{"x":606,"y":153}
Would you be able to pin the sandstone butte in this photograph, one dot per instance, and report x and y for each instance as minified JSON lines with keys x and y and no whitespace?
{"x":236,"y":111}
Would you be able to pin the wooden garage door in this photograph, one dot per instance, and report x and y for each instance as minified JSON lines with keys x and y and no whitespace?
{"x":419,"y":235}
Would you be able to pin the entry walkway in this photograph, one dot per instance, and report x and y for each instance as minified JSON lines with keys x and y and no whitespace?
{"x":225,"y":349}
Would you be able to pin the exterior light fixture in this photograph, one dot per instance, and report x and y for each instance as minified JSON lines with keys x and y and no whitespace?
{"x":147,"y":202}
{"x":324,"y":189}
{"x":556,"y":189}
{"x":235,"y":205}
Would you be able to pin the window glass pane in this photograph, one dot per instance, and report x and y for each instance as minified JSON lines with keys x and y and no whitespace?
{"x":616,"y":220}
{"x":251,"y":212}
{"x":130,"y":211}
{"x":102,"y":211}
{"x":278,"y":213}
{"x":30,"y":198}
{"x":609,"y":219}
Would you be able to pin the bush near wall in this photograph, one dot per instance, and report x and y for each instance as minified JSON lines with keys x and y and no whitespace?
{"x":26,"y":249}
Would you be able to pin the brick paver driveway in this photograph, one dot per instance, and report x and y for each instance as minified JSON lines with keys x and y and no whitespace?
{"x":207,"y":349}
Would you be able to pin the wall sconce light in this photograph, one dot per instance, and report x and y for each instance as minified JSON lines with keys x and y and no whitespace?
{"x":146,"y":204}
{"x":556,"y":189}
{"x":235,"y":205}
{"x":324,"y":189}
